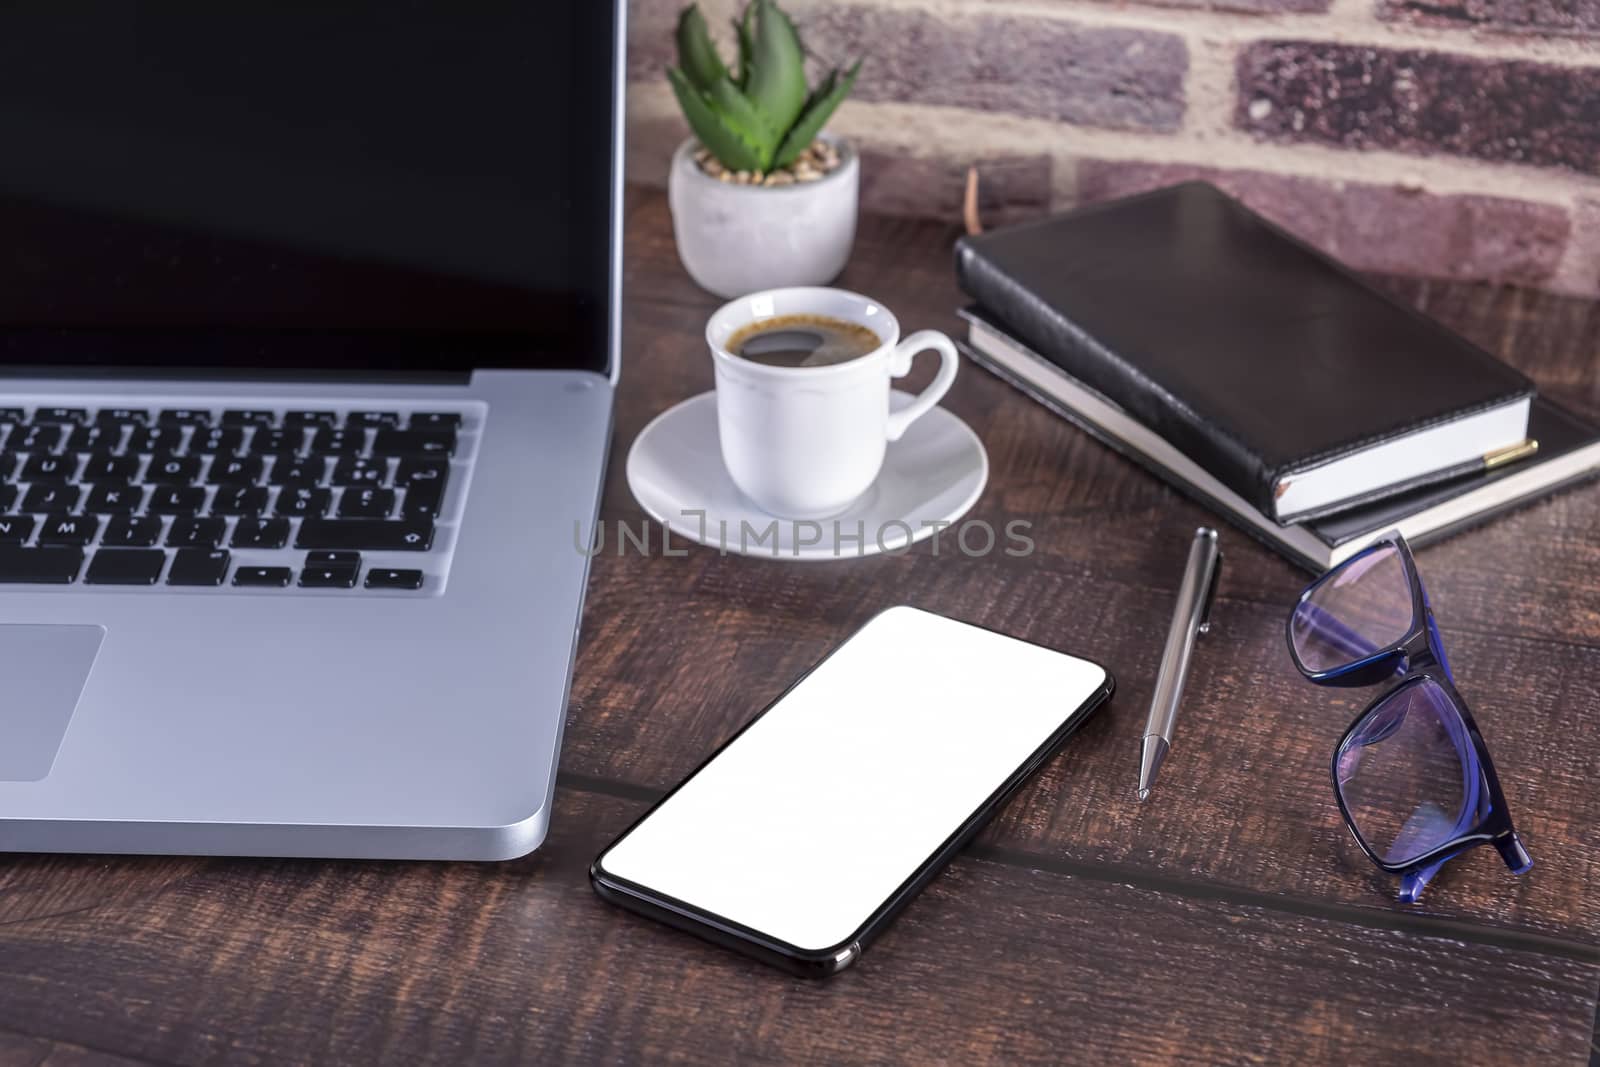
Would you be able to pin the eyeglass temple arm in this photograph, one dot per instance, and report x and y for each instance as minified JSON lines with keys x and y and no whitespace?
{"x":1510,"y":849}
{"x":1514,"y":854}
{"x":1433,"y":632}
{"x":1412,"y":885}
{"x":1336,"y":633}
{"x":1331,"y":629}
{"x":1509,"y":845}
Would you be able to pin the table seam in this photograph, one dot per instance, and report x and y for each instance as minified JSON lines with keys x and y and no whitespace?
{"x":1202,"y":890}
{"x":131,"y":1057}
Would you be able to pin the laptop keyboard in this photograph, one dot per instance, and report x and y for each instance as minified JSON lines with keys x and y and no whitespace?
{"x":301,"y":498}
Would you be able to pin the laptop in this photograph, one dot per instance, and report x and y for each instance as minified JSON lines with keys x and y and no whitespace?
{"x":308,"y":343}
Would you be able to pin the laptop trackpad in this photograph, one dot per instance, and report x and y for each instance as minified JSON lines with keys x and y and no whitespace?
{"x":42,"y":672}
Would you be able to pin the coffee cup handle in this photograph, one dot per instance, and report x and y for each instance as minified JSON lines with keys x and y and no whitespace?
{"x":900,"y":366}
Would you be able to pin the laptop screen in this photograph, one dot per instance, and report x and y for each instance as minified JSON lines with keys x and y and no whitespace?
{"x":363,"y":186}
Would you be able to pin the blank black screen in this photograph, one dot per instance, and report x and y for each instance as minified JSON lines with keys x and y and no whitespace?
{"x":397,"y":185}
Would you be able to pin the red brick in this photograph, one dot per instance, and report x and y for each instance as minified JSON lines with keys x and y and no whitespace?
{"x":1578,"y":18}
{"x":1583,"y":255}
{"x":1423,"y":102}
{"x":1112,"y":77}
{"x":1011,"y":189}
{"x":1374,"y":227}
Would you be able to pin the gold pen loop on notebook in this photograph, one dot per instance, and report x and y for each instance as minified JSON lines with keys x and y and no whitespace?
{"x":1510,"y":454}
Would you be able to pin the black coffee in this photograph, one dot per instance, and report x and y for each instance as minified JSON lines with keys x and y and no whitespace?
{"x":803,"y":341}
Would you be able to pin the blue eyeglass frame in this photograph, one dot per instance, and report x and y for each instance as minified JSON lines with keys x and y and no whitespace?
{"x":1416,"y":657}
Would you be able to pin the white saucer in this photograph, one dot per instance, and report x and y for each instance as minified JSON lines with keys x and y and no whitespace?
{"x":930,"y":477}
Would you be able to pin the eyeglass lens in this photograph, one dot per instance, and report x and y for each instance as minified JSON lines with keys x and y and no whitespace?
{"x":1406,"y":776}
{"x":1361,"y":608}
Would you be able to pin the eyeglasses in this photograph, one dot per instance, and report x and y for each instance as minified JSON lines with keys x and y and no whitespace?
{"x":1412,"y":775}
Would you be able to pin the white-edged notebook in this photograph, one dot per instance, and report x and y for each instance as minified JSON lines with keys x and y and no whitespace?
{"x":1568,"y":452}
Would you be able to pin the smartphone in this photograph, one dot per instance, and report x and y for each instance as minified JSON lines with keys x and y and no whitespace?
{"x":803,"y":836}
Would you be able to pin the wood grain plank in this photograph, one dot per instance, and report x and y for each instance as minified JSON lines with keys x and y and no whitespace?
{"x":18,"y":1050}
{"x":35,"y":886}
{"x":359,"y":962}
{"x":686,"y":650}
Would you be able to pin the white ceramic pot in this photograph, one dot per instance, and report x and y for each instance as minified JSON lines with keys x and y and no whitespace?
{"x":739,"y":239}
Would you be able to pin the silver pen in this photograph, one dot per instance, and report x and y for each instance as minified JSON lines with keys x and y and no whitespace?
{"x":1190,"y":619}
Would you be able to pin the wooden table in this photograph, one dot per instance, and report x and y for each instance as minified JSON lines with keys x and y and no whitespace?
{"x":1228,"y":919}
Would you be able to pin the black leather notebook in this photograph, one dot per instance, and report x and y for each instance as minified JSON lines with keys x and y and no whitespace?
{"x":1568,"y":453}
{"x":1296,"y":384}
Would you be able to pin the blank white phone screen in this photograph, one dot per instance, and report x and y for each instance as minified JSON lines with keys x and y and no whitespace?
{"x":812,"y":818}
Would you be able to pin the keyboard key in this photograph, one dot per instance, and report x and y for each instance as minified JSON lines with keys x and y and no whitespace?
{"x":51,"y":497}
{"x":330,"y":442}
{"x":275,"y":577}
{"x":68,"y":529}
{"x":8,"y":465}
{"x":333,"y":559}
{"x":172,"y":470}
{"x":198,"y":566}
{"x":206,"y":440}
{"x":261,"y":533}
{"x":435,"y":420}
{"x":166,"y":438}
{"x":376,"y":534}
{"x":177,"y":499}
{"x":15,"y":529}
{"x":189,"y":532}
{"x":373,"y":419}
{"x":114,"y":499}
{"x":12,"y":415}
{"x":423,"y":501}
{"x":384,"y":578}
{"x":389,"y":442}
{"x":184,"y":417}
{"x":311,"y":418}
{"x":35,"y":438}
{"x":302,"y":502}
{"x":56,"y":566}
{"x":103,"y":468}
{"x":235,"y":470}
{"x":125,"y":566}
{"x":297,"y":470}
{"x":121,"y":416}
{"x":239,"y":500}
{"x":366,"y":503}
{"x":133,"y":531}
{"x":412,"y":470}
{"x":44,"y":467}
{"x":60,"y":415}
{"x":267,"y":441}
{"x":8,"y":497}
{"x":328,"y":577}
{"x":236,"y":417}
{"x":353,"y":470}
{"x":94,"y":437}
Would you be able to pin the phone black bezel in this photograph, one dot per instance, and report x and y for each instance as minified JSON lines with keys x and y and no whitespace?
{"x":809,"y":963}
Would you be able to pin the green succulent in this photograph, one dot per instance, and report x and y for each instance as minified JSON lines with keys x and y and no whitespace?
{"x":760,"y":116}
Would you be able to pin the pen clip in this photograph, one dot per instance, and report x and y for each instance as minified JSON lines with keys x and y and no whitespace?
{"x":1211,"y":595}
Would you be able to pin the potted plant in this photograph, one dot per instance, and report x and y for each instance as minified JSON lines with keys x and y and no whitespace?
{"x":761,"y":197}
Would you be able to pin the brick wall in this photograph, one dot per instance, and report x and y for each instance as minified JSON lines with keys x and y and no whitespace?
{"x":1445,"y":138}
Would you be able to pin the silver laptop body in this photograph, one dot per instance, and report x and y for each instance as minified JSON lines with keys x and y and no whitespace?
{"x":347,"y":660}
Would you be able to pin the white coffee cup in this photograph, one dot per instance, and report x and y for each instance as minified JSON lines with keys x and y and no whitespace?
{"x":807,"y":442}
